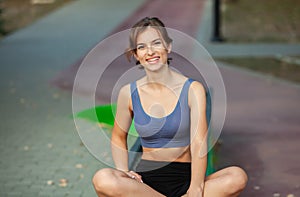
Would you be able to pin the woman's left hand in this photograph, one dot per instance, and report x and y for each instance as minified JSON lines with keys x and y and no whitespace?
{"x":135,"y":176}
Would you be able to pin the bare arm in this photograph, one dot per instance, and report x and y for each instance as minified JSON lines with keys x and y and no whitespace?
{"x":122,"y":123}
{"x":197,"y":102}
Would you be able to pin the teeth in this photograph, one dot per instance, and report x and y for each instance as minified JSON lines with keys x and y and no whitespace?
{"x":153,"y":59}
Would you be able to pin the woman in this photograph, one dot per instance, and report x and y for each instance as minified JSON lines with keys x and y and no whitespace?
{"x":169,"y":114}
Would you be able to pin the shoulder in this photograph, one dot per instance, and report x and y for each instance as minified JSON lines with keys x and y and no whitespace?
{"x":196,"y":93}
{"x":124,"y":98}
{"x":125,"y":91}
{"x":197,"y":87}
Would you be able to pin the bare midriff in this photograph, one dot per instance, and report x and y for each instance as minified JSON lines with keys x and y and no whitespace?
{"x":178,"y":154}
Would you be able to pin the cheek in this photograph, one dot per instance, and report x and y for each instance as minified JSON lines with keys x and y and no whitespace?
{"x":140,"y":55}
{"x":164,"y":53}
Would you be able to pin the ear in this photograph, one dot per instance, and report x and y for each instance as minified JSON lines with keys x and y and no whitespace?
{"x":169,"y":48}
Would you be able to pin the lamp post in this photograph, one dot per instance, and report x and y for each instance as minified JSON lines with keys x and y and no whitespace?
{"x":216,"y":34}
{"x":2,"y":31}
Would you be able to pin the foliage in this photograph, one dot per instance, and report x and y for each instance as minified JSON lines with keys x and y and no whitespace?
{"x":261,"y":21}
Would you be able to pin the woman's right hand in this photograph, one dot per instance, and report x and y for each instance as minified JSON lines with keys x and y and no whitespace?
{"x":135,"y":176}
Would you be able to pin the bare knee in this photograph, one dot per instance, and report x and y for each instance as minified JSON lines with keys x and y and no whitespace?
{"x":105,"y":182}
{"x":236,"y":180}
{"x":101,"y":179}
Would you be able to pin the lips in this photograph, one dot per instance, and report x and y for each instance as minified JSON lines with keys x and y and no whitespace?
{"x":153,"y":59}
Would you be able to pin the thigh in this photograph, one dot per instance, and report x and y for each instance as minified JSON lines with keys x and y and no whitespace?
{"x":225,"y":182}
{"x":219,"y":173}
{"x":120,"y":184}
{"x":232,"y":171}
{"x":221,"y":182}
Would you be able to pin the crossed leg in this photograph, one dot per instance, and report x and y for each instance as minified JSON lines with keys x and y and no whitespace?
{"x":228,"y":182}
{"x":110,"y":182}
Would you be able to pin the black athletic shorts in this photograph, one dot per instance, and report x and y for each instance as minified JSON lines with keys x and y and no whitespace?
{"x":171,"y":179}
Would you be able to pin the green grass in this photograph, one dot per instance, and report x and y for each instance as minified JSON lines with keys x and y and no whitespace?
{"x":268,"y":66}
{"x":261,"y":21}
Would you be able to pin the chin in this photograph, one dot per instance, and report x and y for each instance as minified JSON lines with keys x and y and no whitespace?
{"x":155,"y":67}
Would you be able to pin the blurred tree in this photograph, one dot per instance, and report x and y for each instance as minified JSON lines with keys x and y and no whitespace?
{"x":2,"y":31}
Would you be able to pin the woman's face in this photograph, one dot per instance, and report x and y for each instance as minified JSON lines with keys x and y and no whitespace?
{"x":151,"y":49}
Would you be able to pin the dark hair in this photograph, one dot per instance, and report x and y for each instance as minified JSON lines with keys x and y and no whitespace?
{"x":139,"y":27}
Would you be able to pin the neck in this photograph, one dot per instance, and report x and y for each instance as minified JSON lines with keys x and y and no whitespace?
{"x":163,"y":76}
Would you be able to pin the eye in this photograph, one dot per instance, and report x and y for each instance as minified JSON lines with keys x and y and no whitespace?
{"x":140,"y":47}
{"x":157,"y":43}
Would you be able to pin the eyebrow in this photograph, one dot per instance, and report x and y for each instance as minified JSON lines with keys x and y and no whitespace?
{"x":151,"y":41}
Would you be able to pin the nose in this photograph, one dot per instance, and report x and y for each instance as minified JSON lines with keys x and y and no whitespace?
{"x":150,"y":50}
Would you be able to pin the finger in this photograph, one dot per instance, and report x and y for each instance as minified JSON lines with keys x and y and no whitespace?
{"x":130,"y":175}
{"x":136,"y":176}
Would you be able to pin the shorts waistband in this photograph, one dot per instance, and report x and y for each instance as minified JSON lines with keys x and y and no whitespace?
{"x":150,"y":165}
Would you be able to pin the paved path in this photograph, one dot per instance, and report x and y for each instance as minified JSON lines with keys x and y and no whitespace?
{"x":261,"y":127}
{"x":38,"y":139}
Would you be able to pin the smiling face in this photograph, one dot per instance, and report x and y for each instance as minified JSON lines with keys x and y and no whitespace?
{"x":151,"y":50}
